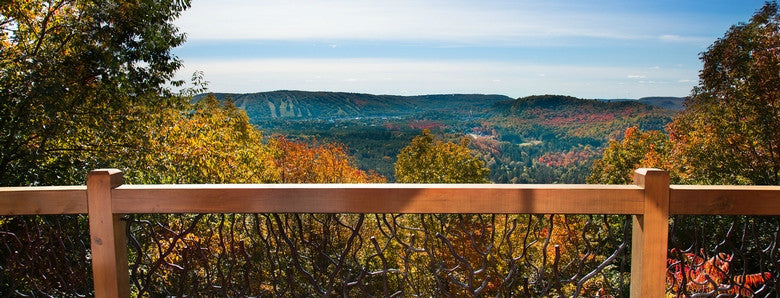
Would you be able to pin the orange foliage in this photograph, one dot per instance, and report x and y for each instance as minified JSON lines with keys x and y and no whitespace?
{"x":318,"y":163}
{"x":702,"y":275}
{"x":638,"y":149}
{"x":486,"y":144}
{"x":565,"y":159}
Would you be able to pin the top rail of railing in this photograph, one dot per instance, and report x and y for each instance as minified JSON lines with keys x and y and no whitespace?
{"x":652,"y":200}
{"x":393,"y":198}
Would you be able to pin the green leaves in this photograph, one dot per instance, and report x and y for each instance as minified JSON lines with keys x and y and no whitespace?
{"x":729,"y":131}
{"x":429,"y":161}
{"x":77,"y":77}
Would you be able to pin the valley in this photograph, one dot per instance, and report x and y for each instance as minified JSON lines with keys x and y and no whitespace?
{"x":535,"y":139}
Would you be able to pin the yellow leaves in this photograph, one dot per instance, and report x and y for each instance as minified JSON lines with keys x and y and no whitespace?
{"x":637,"y":149}
{"x":204,"y":146}
{"x":217,"y":144}
{"x":429,"y":161}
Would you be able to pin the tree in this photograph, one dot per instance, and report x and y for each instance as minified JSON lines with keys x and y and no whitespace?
{"x":199,"y":145}
{"x":318,"y":163}
{"x":74,"y":76}
{"x":729,"y":131}
{"x":429,"y":161}
{"x":638,"y":149}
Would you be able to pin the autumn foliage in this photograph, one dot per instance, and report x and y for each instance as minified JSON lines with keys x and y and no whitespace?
{"x":637,"y":149}
{"x":729,"y":132}
{"x":695,"y":273}
{"x":301,"y":162}
{"x":427,"y":160}
{"x":215,"y":143}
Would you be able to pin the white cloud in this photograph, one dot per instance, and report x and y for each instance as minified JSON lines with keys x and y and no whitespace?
{"x":685,"y":39}
{"x":670,"y":37}
{"x":636,"y":76}
{"x":460,"y":21}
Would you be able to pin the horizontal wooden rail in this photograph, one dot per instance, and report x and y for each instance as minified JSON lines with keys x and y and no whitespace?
{"x":393,"y":198}
{"x":43,"y":200}
{"x":379,"y":198}
{"x":651,"y":201}
{"x":724,"y":200}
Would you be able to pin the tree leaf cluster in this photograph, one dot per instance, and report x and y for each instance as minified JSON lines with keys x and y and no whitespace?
{"x":426,"y":160}
{"x":729,"y":131}
{"x":74,"y":74}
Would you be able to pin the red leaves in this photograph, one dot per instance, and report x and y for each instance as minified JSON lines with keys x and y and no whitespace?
{"x":694,"y":273}
{"x":566,"y":159}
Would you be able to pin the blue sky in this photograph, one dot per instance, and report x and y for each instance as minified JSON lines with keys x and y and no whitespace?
{"x":589,"y":49}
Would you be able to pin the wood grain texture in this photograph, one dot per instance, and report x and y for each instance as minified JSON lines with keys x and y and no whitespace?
{"x":379,"y":198}
{"x":43,"y":200}
{"x":107,"y":236}
{"x":650,"y":235}
{"x":724,"y":200}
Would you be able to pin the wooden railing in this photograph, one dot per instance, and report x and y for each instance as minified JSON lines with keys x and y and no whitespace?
{"x":651,"y":200}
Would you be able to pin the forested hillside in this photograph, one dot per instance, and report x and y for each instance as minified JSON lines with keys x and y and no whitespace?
{"x":339,"y":105}
{"x":536,"y":139}
{"x":554,"y":139}
{"x":666,"y":102}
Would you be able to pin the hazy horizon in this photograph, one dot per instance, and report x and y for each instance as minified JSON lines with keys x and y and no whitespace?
{"x":602,"y":49}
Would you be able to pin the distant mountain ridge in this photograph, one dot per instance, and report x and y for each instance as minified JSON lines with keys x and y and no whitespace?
{"x":522,"y":140}
{"x":339,"y":105}
{"x":666,"y":102}
{"x":286,"y":104}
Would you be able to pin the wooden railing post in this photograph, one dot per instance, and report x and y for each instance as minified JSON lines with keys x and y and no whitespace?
{"x":107,"y":236}
{"x":650,"y":235}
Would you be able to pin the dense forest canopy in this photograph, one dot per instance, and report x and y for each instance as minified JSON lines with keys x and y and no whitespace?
{"x":535,"y":139}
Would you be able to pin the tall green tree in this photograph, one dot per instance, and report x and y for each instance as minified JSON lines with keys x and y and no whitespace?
{"x":426,"y":160}
{"x":76,"y":76}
